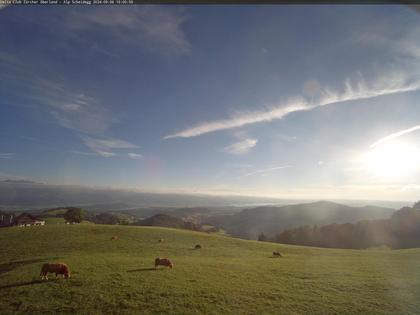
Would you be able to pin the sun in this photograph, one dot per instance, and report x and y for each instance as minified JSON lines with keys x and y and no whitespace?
{"x":392,"y":159}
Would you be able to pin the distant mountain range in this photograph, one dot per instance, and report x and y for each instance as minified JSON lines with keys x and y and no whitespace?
{"x":234,"y":214}
{"x":271,"y":220}
{"x":18,"y":181}
{"x":36,"y":195}
{"x":24,"y":194}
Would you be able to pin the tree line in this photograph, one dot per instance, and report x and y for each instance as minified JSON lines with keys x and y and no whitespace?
{"x":401,"y":230}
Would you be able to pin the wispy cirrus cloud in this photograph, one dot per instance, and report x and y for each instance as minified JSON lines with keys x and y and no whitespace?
{"x":241,"y":147}
{"x":240,"y":120}
{"x":6,"y":155}
{"x":135,"y":156}
{"x":286,"y":138}
{"x":83,"y":153}
{"x":394,"y":135}
{"x":104,"y":146}
{"x":79,"y":112}
{"x":153,"y":28}
{"x":267,"y":170}
{"x":71,"y":109}
{"x":391,"y":84}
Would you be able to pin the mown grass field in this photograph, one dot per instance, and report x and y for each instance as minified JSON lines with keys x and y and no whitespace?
{"x":227,"y":276}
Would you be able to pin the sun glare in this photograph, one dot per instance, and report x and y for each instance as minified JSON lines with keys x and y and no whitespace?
{"x":392,"y":159}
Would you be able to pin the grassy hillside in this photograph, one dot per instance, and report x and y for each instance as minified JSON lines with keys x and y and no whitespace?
{"x":228,"y":276}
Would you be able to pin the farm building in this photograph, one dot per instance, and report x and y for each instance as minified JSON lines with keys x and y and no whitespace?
{"x":28,"y":220}
{"x":6,"y":219}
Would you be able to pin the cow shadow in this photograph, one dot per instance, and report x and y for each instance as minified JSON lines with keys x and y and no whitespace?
{"x":21,"y":284}
{"x":145,"y":269}
{"x":9,"y":266}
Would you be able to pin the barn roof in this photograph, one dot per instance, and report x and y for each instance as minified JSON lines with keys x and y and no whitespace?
{"x":26,"y":218}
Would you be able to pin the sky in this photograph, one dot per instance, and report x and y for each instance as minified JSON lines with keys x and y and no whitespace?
{"x":280,"y":101}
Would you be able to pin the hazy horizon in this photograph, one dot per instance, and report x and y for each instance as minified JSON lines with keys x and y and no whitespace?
{"x":288,"y":102}
{"x":18,"y":194}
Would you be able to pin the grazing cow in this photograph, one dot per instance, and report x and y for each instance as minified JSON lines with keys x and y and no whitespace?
{"x":277,"y":254}
{"x":58,"y":268}
{"x":114,"y":238}
{"x":198,"y":246}
{"x":160,"y":240}
{"x":163,"y":262}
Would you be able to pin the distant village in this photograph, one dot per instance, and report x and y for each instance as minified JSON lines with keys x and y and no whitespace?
{"x":22,"y":220}
{"x":69,"y":215}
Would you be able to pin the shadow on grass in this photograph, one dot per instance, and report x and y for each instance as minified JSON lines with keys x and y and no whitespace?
{"x":21,"y":284}
{"x":6,"y":267}
{"x":145,"y":269}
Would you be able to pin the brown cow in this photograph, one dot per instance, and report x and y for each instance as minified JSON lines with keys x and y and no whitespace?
{"x":198,"y":246}
{"x":163,"y":262}
{"x":277,"y":254}
{"x":114,"y":238}
{"x":58,"y":268}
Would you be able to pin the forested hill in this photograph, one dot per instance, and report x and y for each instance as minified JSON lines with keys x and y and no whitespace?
{"x":271,"y":220}
{"x":401,"y":230}
{"x":164,"y":220}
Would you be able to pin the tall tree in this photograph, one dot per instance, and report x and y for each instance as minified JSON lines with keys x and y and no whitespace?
{"x":74,"y":215}
{"x":262,"y":237}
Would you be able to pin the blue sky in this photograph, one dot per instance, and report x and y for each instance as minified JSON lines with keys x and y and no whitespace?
{"x":285,"y":101}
